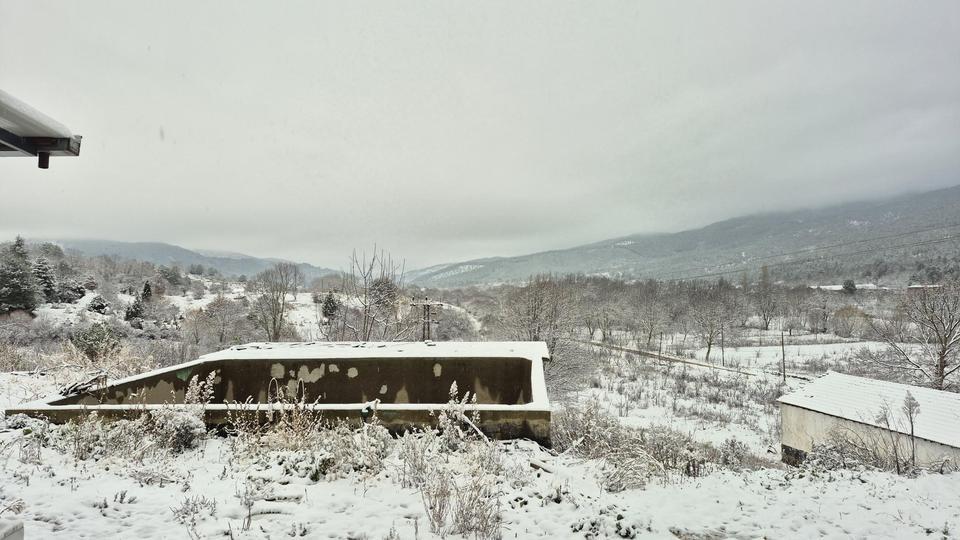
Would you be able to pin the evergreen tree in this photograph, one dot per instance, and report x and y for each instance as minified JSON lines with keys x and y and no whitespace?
{"x":18,"y":289}
{"x":849,"y":286}
{"x":147,"y":292}
{"x":134,"y":310}
{"x":46,"y":282}
{"x":330,"y":306}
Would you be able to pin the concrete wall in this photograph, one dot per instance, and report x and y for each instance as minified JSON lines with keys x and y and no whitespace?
{"x":801,"y":428}
{"x":504,"y":381}
{"x":408,"y":388}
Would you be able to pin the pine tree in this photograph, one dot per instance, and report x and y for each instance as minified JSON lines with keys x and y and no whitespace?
{"x":134,"y":310}
{"x":147,"y":292}
{"x":18,"y":289}
{"x":330,"y":306}
{"x":46,"y":281}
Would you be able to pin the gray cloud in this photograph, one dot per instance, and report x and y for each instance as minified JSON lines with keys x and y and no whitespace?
{"x":445,"y":131}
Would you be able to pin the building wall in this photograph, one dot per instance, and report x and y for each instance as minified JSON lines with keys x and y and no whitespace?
{"x":801,"y":428}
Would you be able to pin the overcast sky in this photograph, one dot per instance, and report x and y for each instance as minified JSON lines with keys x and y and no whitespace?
{"x":449,"y":130}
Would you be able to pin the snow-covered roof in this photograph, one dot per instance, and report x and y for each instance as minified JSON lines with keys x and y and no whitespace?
{"x":862,"y":400}
{"x":24,"y":121}
{"x":533,"y":350}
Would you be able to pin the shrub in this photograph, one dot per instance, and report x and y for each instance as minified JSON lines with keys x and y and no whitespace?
{"x":733,"y":453}
{"x":174,"y":429}
{"x":69,"y":291}
{"x":96,"y":341}
{"x":593,"y":433}
{"x":98,"y":304}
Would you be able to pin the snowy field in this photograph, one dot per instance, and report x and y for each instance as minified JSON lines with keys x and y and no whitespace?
{"x":116,"y":498}
{"x":803,"y":358}
{"x":75,"y":484}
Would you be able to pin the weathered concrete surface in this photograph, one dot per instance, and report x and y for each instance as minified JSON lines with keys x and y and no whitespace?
{"x":354,"y":380}
{"x":409,"y":382}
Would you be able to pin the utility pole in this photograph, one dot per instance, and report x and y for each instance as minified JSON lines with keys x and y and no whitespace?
{"x":660,"y":351}
{"x":429,"y":309}
{"x":723,"y":360}
{"x":783,"y":359}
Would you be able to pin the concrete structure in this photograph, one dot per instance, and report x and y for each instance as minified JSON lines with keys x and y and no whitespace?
{"x":404,"y":381}
{"x":858,"y":406}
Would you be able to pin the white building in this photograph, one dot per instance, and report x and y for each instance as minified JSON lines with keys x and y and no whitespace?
{"x":871,"y":411}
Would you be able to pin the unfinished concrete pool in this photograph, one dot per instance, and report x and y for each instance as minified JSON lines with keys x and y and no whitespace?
{"x":403,"y":381}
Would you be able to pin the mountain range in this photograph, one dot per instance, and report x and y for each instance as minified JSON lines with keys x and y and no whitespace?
{"x":905,"y":238}
{"x":228,"y":263}
{"x":908,"y":238}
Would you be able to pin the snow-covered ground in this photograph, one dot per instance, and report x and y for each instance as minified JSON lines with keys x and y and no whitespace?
{"x":561,"y":498}
{"x":798,"y":357}
{"x":709,"y":405}
{"x":538,"y":493}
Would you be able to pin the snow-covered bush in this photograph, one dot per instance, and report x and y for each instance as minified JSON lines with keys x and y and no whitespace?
{"x":630,"y":458}
{"x":12,"y":358}
{"x":174,"y":429}
{"x":96,"y":341}
{"x":733,"y":453}
{"x":668,"y":446}
{"x":34,"y":435}
{"x":98,"y":304}
{"x":476,"y":507}
{"x":352,"y":449}
{"x":193,"y":509}
{"x":436,"y":492}
{"x":160,"y":432}
{"x":611,"y":522}
{"x":453,"y":422}
{"x":827,"y":457}
{"x":296,"y":437}
{"x":414,"y":452}
{"x":69,"y":291}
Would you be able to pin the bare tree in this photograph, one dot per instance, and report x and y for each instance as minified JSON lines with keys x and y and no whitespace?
{"x":373,"y":308}
{"x":924,"y":334}
{"x":649,"y":312}
{"x":711,"y":312}
{"x":272,"y":287}
{"x":545,"y":310}
{"x":224,"y":315}
{"x":196,"y":324}
{"x":765,"y":299}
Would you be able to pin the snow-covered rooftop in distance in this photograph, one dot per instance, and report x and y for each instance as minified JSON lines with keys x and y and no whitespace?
{"x":533,"y":350}
{"x":862,"y":400}
{"x":24,"y":121}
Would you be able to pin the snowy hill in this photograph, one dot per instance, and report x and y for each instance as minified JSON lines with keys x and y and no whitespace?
{"x":871,"y":239}
{"x":228,"y":263}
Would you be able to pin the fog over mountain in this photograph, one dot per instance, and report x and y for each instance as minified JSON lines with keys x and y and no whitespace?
{"x":889,"y":237}
{"x":228,"y":263}
{"x":449,"y":131}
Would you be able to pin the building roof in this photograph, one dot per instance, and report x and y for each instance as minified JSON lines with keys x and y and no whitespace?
{"x":21,"y":119}
{"x":25,"y":131}
{"x":533,"y":350}
{"x":863,"y":400}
